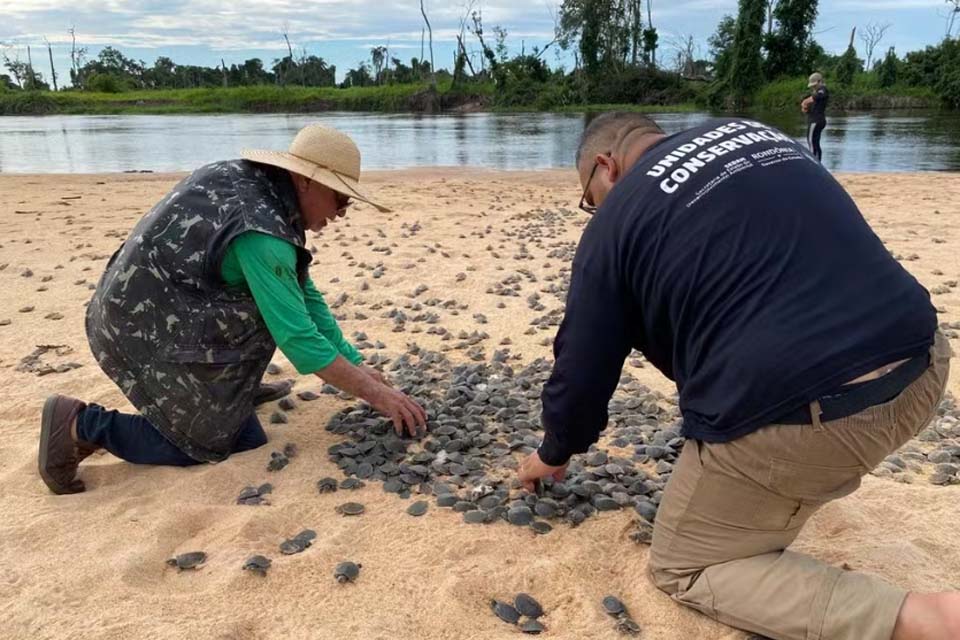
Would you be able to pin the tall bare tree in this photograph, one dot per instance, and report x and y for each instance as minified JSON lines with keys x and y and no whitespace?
{"x":53,"y":71}
{"x":32,"y":77}
{"x":433,"y":69}
{"x":872,"y":35}
{"x":771,"y":8}
{"x":953,"y":10}
{"x":285,"y":32}
{"x":76,"y":58}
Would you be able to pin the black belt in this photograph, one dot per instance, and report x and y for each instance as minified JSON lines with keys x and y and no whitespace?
{"x":854,"y":398}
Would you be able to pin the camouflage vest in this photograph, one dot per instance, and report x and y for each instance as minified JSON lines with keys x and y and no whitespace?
{"x":187,"y":351}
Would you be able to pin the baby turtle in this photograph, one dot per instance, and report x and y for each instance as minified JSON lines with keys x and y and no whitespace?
{"x":307,"y":396}
{"x":527,"y":606}
{"x":476,"y":517}
{"x":298,"y":543}
{"x":350,"y":509}
{"x":287,"y":404}
{"x":278,"y":417}
{"x":277,"y":461}
{"x":257,"y":564}
{"x":273,"y":369}
{"x":613,"y":606}
{"x":505,"y":612}
{"x":290,"y":450}
{"x":327,"y":485}
{"x":352,"y":483}
{"x":191,"y":560}
{"x":532,"y":627}
{"x":541,"y":527}
{"x":627,"y":626}
{"x":347,"y":571}
{"x":418,"y":508}
{"x":520,"y":516}
{"x":643,"y":533}
{"x":255,"y":495}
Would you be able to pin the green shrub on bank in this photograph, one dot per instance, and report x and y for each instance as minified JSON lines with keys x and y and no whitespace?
{"x":863,"y":93}
{"x":255,"y":99}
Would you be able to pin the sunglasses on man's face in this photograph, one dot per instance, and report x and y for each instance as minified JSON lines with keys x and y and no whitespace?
{"x":588,"y":207}
{"x":585,"y":206}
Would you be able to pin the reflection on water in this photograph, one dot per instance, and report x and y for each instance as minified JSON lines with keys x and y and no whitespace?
{"x":889,"y":141}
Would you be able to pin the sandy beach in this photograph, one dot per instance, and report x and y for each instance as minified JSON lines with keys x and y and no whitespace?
{"x":92,"y":565}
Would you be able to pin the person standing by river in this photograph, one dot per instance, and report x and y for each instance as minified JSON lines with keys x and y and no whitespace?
{"x":191,"y":308}
{"x":815,"y":106}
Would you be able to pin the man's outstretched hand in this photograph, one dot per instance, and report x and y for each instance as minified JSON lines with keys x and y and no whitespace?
{"x":533,"y":468}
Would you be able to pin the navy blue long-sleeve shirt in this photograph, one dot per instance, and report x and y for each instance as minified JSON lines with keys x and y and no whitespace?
{"x":744,"y":272}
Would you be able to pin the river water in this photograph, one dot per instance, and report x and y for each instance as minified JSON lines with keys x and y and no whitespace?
{"x":866,"y":142}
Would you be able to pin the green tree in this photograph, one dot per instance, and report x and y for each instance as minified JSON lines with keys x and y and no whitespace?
{"x":359,"y":77}
{"x":317,"y":73}
{"x":848,"y":66}
{"x":650,"y":38}
{"x":721,"y":46}
{"x":378,"y":56}
{"x":162,"y":75}
{"x":253,"y":73}
{"x":887,"y":69}
{"x":126,"y":72}
{"x":746,"y":64}
{"x":788,"y":45}
{"x":601,"y":32}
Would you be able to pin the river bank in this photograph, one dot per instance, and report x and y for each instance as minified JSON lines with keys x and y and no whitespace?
{"x":413,"y":98}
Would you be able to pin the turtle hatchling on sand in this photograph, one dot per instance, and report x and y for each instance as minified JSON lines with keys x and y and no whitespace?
{"x":527,"y":605}
{"x":298,"y":543}
{"x":257,"y":564}
{"x":613,"y":606}
{"x":626,"y":625}
{"x":347,"y":571}
{"x":505,"y":612}
{"x":191,"y":560}
{"x":533,"y":627}
{"x":327,"y":485}
{"x":418,"y":508}
{"x":350,"y":509}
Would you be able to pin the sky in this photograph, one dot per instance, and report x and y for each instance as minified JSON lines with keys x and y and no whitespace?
{"x":343,"y":31}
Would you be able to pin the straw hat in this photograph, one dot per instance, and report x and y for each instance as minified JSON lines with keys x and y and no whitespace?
{"x":323,"y":155}
{"x":815,"y":80}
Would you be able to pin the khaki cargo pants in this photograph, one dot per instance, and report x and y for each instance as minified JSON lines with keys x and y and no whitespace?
{"x":730,"y":510}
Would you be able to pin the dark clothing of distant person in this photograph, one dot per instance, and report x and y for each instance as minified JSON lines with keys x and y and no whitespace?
{"x":817,"y":120}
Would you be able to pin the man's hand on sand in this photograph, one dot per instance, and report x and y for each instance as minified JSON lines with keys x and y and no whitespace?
{"x":400,"y":408}
{"x":533,"y":469}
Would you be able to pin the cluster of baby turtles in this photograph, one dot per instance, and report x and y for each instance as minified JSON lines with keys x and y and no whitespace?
{"x":482,"y":419}
{"x":525,"y":612}
{"x":346,"y":571}
{"x":524,"y":605}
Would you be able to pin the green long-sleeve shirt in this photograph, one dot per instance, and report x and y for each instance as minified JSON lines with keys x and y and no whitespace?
{"x":297,"y":317}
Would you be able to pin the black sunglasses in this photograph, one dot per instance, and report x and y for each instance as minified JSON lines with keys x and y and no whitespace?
{"x":585,"y":206}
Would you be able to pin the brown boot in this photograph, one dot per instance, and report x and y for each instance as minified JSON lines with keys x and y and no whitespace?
{"x":60,"y":453}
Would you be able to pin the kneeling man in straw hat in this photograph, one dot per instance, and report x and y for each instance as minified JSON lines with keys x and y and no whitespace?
{"x":194,"y":303}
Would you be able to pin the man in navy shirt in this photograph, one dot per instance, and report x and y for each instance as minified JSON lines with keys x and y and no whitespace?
{"x":803,"y":355}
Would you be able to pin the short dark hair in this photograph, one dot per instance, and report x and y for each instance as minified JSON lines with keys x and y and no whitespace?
{"x":608,"y":129}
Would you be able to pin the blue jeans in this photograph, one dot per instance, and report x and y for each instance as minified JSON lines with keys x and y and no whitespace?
{"x":134,"y":439}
